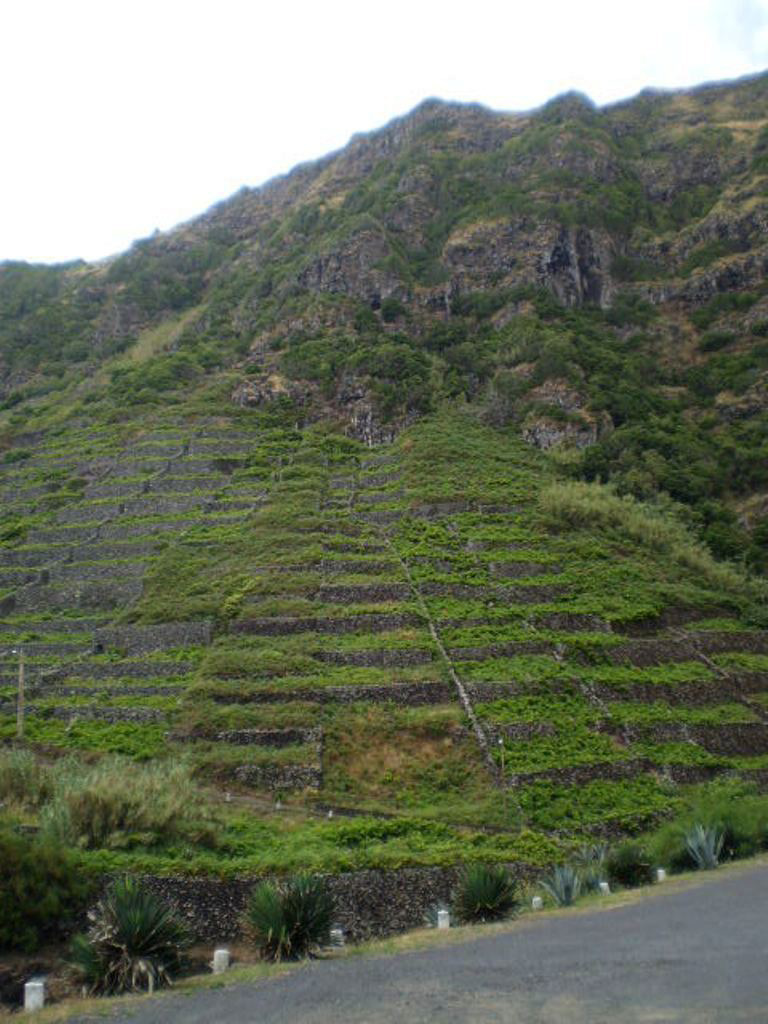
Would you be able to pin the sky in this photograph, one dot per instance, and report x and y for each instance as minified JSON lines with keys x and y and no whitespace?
{"x":119,"y":118}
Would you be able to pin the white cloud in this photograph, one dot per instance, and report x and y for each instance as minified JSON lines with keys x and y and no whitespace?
{"x":121,"y":117}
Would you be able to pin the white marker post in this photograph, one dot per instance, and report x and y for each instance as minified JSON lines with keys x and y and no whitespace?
{"x":220,"y":961}
{"x":34,"y":994}
{"x":605,"y":888}
{"x":537,"y":903}
{"x":443,"y":919}
{"x":661,"y":875}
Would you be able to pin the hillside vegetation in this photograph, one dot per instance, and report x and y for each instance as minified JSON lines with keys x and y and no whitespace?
{"x":407,"y":510}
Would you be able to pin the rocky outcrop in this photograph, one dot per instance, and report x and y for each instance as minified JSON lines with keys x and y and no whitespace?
{"x":573,"y":426}
{"x":576,"y":268}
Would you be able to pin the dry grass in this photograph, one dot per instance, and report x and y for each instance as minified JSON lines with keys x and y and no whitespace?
{"x":572,"y":504}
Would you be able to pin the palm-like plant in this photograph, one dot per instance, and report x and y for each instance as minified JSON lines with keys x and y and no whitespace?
{"x":134,"y":943}
{"x":563,"y":885}
{"x":486,"y":892}
{"x":290,"y":920}
{"x":705,"y":844}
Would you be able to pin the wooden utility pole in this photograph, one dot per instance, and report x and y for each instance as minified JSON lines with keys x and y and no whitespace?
{"x":503,"y":779}
{"x":20,"y":699}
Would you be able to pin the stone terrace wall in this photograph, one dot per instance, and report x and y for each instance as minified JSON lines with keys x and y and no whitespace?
{"x":143,"y":639}
{"x":369,"y":904}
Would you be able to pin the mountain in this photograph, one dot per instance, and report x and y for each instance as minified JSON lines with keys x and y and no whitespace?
{"x":427,"y":482}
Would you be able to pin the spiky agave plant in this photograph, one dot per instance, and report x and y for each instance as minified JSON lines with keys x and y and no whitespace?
{"x":290,"y":920}
{"x":134,"y":942}
{"x":486,"y":892}
{"x":563,"y":885}
{"x":590,"y":860}
{"x":705,"y":844}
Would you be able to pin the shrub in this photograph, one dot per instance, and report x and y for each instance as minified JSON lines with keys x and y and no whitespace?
{"x":23,"y":779}
{"x":116,"y":803}
{"x":42,"y":891}
{"x":667,"y":848}
{"x":713,"y":341}
{"x":486,"y":892}
{"x":629,"y":864}
{"x":563,"y":885}
{"x":590,"y":860}
{"x":741,"y":816}
{"x":572,"y":504}
{"x":135,"y":943}
{"x":289,"y":921}
{"x":705,"y":845}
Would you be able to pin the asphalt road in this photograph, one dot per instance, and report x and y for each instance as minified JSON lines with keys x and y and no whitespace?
{"x":696,"y":954}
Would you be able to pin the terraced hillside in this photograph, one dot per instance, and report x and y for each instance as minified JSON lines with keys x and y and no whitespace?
{"x":439,"y":634}
{"x":408,"y":509}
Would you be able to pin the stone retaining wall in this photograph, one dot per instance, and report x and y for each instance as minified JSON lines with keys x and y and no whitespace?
{"x":342,"y":565}
{"x":150,"y":506}
{"x":144,"y":639}
{"x":87,"y":595}
{"x":62,"y":535}
{"x":16,"y":577}
{"x":401,"y":694}
{"x":280,"y":776}
{"x":519,"y":570}
{"x":270,"y":737}
{"x":360,"y":548}
{"x":98,"y":552}
{"x":693,"y":694}
{"x":34,"y":558}
{"x":581,"y":774}
{"x":129,"y":670}
{"x":571,"y":622}
{"x":217,"y":448}
{"x":57,"y":690}
{"x":382,"y":516}
{"x":739,"y":740}
{"x":355,"y":593}
{"x":117,"y":490}
{"x":379,"y":480}
{"x":375,"y":658}
{"x":52,"y":626}
{"x":337,"y":627}
{"x":368,"y":904}
{"x":136,"y":716}
{"x":509,"y":650}
{"x":534,"y":594}
{"x":672,"y":618}
{"x":520,"y":732}
{"x":379,"y":497}
{"x":112,"y":571}
{"x":690,"y":648}
{"x":88,"y":513}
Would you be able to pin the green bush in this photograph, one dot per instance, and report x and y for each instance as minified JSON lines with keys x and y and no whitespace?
{"x":573,"y":504}
{"x":23,"y":779}
{"x":629,"y":864}
{"x":290,"y":920}
{"x":713,"y":341}
{"x":42,"y":891}
{"x":118,"y":803}
{"x":740,"y":815}
{"x":135,"y":943}
{"x":486,"y":892}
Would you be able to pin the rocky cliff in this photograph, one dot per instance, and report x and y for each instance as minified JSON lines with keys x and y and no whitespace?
{"x":595,"y":277}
